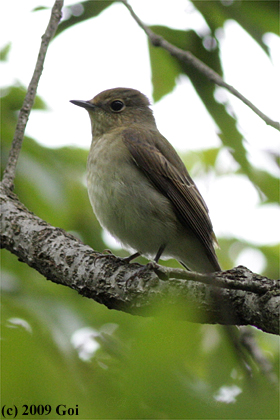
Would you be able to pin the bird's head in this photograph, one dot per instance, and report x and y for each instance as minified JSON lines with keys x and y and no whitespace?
{"x":119,"y":107}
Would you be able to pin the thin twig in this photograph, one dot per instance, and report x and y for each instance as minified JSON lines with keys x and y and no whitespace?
{"x":188,"y":57}
{"x":251,"y":282}
{"x":9,"y":174}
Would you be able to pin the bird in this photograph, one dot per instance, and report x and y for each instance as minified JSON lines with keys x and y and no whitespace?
{"x":140,"y":189}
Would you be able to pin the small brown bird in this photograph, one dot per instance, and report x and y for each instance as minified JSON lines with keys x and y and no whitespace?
{"x":139,"y":188}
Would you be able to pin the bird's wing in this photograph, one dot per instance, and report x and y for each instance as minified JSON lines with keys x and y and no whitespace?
{"x":168,"y":173}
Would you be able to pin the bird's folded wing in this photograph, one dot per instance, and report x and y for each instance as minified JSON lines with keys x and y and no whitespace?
{"x":173,"y":180}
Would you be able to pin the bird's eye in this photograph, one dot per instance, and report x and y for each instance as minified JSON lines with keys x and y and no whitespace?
{"x":117,"y":105}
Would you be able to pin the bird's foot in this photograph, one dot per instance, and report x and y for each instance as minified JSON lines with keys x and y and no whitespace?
{"x":131,"y":257}
{"x":140,"y":273}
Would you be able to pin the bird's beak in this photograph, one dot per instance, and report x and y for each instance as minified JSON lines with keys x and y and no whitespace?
{"x":84,"y":104}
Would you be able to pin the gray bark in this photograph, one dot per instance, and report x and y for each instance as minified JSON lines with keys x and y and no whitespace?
{"x":237,"y":296}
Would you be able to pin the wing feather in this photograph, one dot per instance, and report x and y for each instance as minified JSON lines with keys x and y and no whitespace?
{"x":164,"y":168}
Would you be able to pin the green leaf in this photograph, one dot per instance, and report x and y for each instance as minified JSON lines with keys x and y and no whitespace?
{"x":201,"y":160}
{"x":271,"y":254}
{"x":90,"y":9}
{"x":165,"y":71}
{"x":255,"y":17}
{"x":267,"y":184}
{"x":13,"y":98}
{"x":165,"y":68}
{"x":39,"y":8}
{"x":5,"y":51}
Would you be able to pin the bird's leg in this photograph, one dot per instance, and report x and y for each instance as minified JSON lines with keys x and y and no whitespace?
{"x":159,"y":253}
{"x":154,"y":264}
{"x":150,"y":265}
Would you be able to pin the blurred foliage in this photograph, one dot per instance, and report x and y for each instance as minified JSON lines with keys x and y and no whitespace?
{"x":165,"y":72}
{"x":60,"y":348}
{"x":80,"y":12}
{"x":255,"y":17}
{"x":4,"y":52}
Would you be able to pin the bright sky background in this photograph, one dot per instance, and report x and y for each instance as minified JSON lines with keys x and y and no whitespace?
{"x":111,"y":51}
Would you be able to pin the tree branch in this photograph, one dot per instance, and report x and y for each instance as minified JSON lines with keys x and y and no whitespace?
{"x":9,"y":174}
{"x":120,"y":285}
{"x":189,"y":58}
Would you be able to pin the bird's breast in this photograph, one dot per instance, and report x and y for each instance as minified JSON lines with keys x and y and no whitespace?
{"x":123,"y":199}
{"x":107,"y":170}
